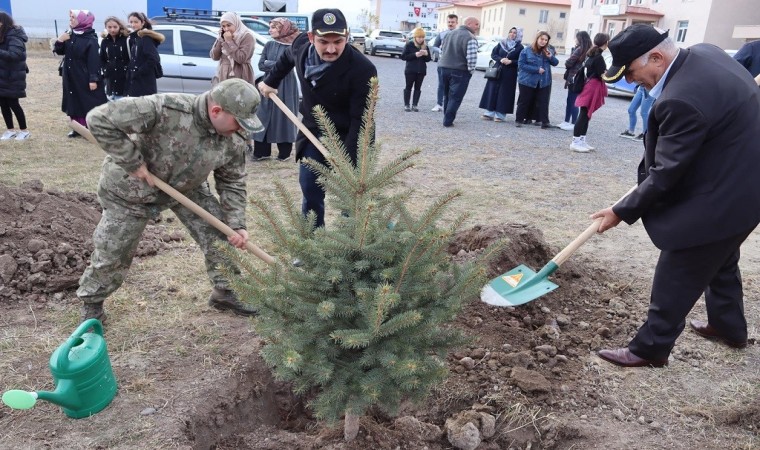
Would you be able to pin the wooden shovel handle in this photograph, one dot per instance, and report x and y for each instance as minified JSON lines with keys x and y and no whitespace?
{"x":189,"y":204}
{"x":585,"y":236}
{"x":299,"y":124}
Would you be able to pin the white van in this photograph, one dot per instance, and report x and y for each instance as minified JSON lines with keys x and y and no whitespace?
{"x":303,"y":21}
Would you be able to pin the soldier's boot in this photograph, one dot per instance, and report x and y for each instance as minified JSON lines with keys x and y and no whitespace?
{"x":225,"y":299}
{"x":92,"y":311}
{"x":407,"y":95}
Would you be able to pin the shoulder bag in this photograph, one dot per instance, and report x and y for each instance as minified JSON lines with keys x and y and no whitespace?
{"x":494,"y":71}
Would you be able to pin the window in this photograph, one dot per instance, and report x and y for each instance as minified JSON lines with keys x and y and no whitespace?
{"x":411,"y":14}
{"x":543,"y":16}
{"x":501,"y":13}
{"x":611,"y":30}
{"x":562,"y":15}
{"x":424,"y":4}
{"x":560,"y":34}
{"x":580,"y":4}
{"x":522,"y":11}
{"x":683,"y":26}
{"x":590,"y":29}
{"x":424,"y":15}
{"x":630,"y":2}
{"x":195,"y":44}
{"x":411,"y":3}
{"x":167,"y":47}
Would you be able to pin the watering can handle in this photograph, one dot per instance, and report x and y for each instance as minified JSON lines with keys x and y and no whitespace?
{"x":63,"y":351}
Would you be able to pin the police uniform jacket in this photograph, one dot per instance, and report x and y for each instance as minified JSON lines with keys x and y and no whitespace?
{"x":698,"y":179}
{"x":173,"y":135}
{"x":342,"y":91}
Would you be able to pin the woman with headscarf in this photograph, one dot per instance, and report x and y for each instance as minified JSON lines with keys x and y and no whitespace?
{"x":144,"y":62}
{"x":82,"y":84}
{"x":114,"y":57}
{"x":233,"y":49}
{"x":417,"y":55}
{"x":499,"y":94}
{"x":278,"y":129}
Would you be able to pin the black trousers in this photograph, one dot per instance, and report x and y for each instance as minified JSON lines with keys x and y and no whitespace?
{"x":533,"y":100}
{"x":680,"y":279}
{"x":581,"y":125}
{"x":11,"y":104}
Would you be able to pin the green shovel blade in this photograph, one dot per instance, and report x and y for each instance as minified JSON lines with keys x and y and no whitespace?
{"x":519,"y":286}
{"x":17,"y":399}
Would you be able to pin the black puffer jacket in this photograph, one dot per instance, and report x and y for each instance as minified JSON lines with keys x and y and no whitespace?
{"x":114,"y":59}
{"x":144,"y":62}
{"x":13,"y":64}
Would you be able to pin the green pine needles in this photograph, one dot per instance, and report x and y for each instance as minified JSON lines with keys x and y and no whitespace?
{"x":366,"y":317}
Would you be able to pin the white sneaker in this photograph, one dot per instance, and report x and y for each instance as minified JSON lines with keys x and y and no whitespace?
{"x":22,"y":135}
{"x":437,"y":108}
{"x":567,"y":126}
{"x":7,"y":135}
{"x":586,"y":144}
{"x":577,"y":147}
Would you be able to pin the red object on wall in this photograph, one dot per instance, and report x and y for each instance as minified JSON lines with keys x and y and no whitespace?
{"x":416,"y":11}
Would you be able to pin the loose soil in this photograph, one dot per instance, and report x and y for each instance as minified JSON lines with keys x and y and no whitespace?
{"x":531,"y":368}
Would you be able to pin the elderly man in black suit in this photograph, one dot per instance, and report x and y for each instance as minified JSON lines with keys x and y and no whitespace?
{"x":698,"y":191}
{"x":334,"y":75}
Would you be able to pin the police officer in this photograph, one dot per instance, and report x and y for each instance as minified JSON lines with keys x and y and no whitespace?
{"x":181,"y":139}
{"x":333,"y":75}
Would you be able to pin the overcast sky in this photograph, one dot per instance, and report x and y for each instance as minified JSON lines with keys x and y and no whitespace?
{"x":351,"y":8}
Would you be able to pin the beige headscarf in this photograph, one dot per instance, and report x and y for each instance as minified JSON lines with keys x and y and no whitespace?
{"x":288,"y":30}
{"x":240,"y":31}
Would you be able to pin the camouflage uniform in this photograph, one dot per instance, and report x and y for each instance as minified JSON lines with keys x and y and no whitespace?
{"x":174,"y":136}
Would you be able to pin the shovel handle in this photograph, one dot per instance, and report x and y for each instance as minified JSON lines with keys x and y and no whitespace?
{"x":284,"y":108}
{"x":189,"y":204}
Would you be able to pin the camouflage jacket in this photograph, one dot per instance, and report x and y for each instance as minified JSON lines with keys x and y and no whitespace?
{"x":173,"y":135}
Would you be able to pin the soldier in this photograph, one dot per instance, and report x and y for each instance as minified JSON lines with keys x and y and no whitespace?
{"x":181,"y":139}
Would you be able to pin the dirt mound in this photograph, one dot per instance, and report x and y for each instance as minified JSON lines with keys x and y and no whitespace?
{"x":46,"y":239}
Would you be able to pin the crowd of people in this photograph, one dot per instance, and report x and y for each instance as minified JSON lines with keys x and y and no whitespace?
{"x":695,"y":193}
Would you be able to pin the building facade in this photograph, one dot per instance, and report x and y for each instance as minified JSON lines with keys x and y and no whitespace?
{"x":689,"y":21}
{"x":405,"y":15}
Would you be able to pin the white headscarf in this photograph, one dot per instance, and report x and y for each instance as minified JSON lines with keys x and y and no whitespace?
{"x":240,"y":31}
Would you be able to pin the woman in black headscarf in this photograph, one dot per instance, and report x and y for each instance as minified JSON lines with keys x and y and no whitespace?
{"x":499,"y":94}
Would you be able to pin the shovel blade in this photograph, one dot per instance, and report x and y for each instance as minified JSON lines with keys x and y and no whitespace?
{"x":518,"y":286}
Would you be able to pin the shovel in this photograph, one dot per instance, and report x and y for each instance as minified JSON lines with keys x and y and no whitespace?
{"x":189,"y":204}
{"x":284,"y":108}
{"x":522,"y":285}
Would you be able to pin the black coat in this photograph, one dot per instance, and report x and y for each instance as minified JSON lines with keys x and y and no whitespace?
{"x":144,"y":62}
{"x":698,"y":180}
{"x":499,"y":95}
{"x":414,"y":63}
{"x":114,"y":59}
{"x":342,"y":90}
{"x":13,"y":64}
{"x":81,"y":66}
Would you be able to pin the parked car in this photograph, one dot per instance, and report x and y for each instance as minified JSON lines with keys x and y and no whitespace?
{"x":185,"y":57}
{"x":359,"y":36}
{"x":484,"y":55}
{"x":620,"y":87}
{"x":385,"y":41}
{"x":207,"y":17}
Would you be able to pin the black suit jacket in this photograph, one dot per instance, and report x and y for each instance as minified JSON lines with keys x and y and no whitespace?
{"x":342,"y":91}
{"x":699,"y":181}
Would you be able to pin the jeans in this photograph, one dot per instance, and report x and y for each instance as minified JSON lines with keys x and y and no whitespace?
{"x":455,"y":84}
{"x":571,"y":111}
{"x":439,"y":98}
{"x":313,"y":193}
{"x":641,"y":99}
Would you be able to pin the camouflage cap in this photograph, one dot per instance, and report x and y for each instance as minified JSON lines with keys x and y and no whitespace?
{"x":241,"y":99}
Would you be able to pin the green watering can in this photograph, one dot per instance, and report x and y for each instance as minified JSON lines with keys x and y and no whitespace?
{"x":84,"y":381}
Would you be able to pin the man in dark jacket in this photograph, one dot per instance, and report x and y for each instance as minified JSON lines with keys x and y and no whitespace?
{"x":749,"y":57}
{"x":459,"y":56}
{"x":698,"y":194}
{"x":333,"y":75}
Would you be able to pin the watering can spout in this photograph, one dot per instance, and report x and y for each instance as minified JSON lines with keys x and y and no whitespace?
{"x":65,"y":395}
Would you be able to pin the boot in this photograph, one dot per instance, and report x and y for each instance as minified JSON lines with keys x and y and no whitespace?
{"x":407,"y":94}
{"x":416,"y":100}
{"x":223,"y":299}
{"x":92,"y":311}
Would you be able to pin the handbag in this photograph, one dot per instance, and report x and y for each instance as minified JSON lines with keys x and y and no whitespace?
{"x":576,"y":83}
{"x":493,"y":72}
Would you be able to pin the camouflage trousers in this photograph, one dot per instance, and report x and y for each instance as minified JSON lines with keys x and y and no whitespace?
{"x":118,"y":233}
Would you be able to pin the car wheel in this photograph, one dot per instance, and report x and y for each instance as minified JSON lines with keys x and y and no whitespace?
{"x":372,"y":51}
{"x":364,"y":50}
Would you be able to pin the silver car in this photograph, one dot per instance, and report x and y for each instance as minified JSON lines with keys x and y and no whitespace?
{"x":384,"y":41}
{"x":185,"y":57}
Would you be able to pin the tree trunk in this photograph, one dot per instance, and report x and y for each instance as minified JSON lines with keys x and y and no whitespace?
{"x":350,"y":427}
